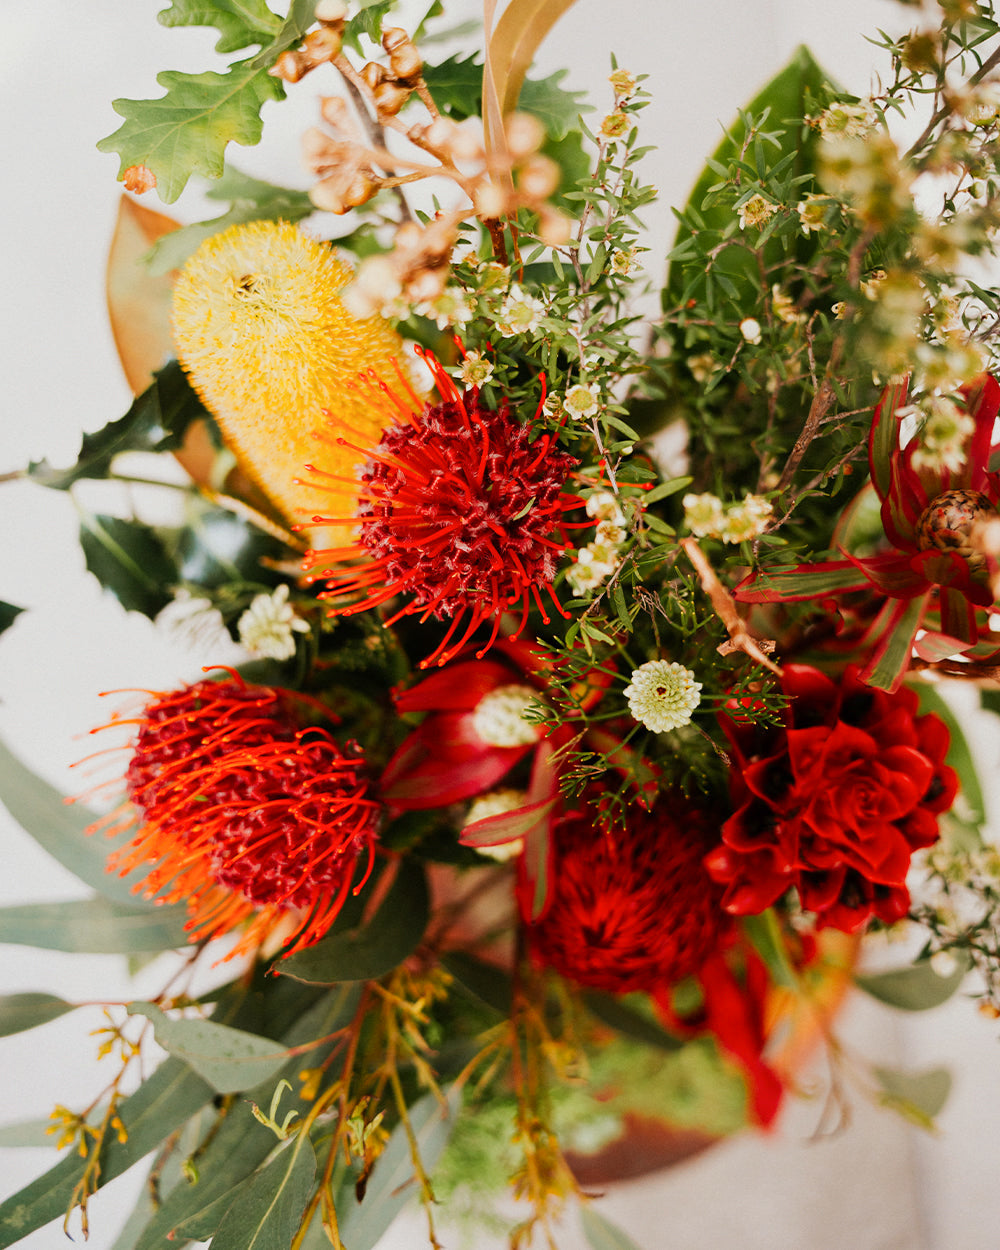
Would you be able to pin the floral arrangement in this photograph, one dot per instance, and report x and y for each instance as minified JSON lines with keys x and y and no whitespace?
{"x":589,"y":712}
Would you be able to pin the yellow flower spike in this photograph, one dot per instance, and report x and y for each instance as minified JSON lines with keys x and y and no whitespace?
{"x":268,"y":345}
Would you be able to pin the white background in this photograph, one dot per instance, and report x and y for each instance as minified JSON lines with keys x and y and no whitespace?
{"x":876,"y":1186}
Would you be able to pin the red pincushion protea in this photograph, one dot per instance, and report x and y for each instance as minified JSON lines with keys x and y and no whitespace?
{"x":458,"y":510}
{"x":633,"y":907}
{"x":245,"y":814}
{"x":835,"y":803}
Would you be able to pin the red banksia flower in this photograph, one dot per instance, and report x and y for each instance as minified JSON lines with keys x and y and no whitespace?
{"x":244,"y":813}
{"x":835,"y":803}
{"x":633,"y":907}
{"x":458,"y":510}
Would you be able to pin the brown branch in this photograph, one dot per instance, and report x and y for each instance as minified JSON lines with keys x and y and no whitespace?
{"x":722,"y":601}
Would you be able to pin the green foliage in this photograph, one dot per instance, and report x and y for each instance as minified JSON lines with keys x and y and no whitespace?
{"x":19,"y":1012}
{"x":917,"y":1096}
{"x":269,"y":1208}
{"x":358,"y":951}
{"x":249,"y":199}
{"x":367,"y":22}
{"x":95,"y":926}
{"x":130,"y":559}
{"x":187,"y":130}
{"x":601,"y":1234}
{"x":241,"y":23}
{"x":9,"y":613}
{"x":457,"y":87}
{"x":917,"y":988}
{"x":157,"y":421}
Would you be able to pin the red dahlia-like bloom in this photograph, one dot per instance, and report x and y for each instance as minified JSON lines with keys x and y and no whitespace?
{"x":633,"y":907}
{"x":835,"y":803}
{"x":245,"y":814}
{"x":458,"y":510}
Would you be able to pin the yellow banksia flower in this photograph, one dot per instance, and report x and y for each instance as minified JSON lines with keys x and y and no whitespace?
{"x":266,"y":342}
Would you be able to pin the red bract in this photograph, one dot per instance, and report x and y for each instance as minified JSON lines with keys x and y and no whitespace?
{"x":835,"y":803}
{"x":460,"y":511}
{"x":244,"y":814}
{"x":932,"y":580}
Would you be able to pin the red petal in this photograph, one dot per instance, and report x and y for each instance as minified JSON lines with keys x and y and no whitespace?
{"x":456,"y":687}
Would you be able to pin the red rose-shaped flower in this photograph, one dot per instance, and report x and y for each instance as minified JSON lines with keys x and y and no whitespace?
{"x":243,"y":812}
{"x":632,"y":906}
{"x":835,"y":803}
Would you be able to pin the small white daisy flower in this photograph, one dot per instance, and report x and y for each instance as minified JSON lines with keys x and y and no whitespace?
{"x":520,"y":313}
{"x":475,"y":369}
{"x":662,"y":695}
{"x":269,"y":625}
{"x":580,"y":401}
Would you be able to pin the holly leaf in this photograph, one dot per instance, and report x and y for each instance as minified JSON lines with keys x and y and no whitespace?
{"x":157,"y":421}
{"x":241,"y":23}
{"x":187,"y":130}
{"x":129,"y":559}
{"x":9,"y":612}
{"x":250,"y":199}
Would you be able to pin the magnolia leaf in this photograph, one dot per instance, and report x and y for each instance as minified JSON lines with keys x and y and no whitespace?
{"x":241,"y":23}
{"x":959,"y":755}
{"x":918,"y":1096}
{"x":160,"y":1106}
{"x":365,"y":952}
{"x":20,"y":1012}
{"x":269,"y":1208}
{"x":187,"y":130}
{"x":230,"y":1059}
{"x":139,"y":301}
{"x":9,"y":612}
{"x":602,"y":1234}
{"x":392,"y":1183}
{"x":93,"y":926}
{"x":157,"y":421}
{"x":250,"y":199}
{"x":130,"y":560}
{"x":916,"y":988}
{"x":515,"y":40}
{"x":60,"y":829}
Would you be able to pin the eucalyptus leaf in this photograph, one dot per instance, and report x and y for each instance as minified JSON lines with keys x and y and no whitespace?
{"x":160,"y":1106}
{"x":392,"y":1183}
{"x":20,"y":1012}
{"x":229,"y":1059}
{"x":60,"y":830}
{"x":919,"y":1096}
{"x":366,"y":952}
{"x":269,"y":1209}
{"x":916,"y":988}
{"x":27,"y":1134}
{"x":486,"y":982}
{"x":601,"y":1234}
{"x":130,"y":560}
{"x":93,"y":926}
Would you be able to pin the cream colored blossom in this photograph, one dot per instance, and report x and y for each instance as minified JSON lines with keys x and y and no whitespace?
{"x":704,"y":515}
{"x":497,"y":803}
{"x":623,"y":260}
{"x":624,"y":83}
{"x":520,"y":313}
{"x":757,"y":211}
{"x":746,"y":520}
{"x":663,"y":695}
{"x":604,"y":506}
{"x":475,"y":369}
{"x":615,"y":126}
{"x":702,"y":366}
{"x":451,"y":308}
{"x":269,"y":625}
{"x":751,"y":330}
{"x":498,"y":717}
{"x":194,"y":622}
{"x":581,"y":401}
{"x":942,"y":440}
{"x":851,"y":120}
{"x":784,"y":307}
{"x":812,"y":213}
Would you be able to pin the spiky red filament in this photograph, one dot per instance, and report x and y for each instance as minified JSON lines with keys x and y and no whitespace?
{"x":244,"y":813}
{"x":460,"y":512}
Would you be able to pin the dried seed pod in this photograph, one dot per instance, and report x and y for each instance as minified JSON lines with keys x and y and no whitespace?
{"x":404,"y":59}
{"x":331,"y":12}
{"x":525,"y":134}
{"x":538,"y":177}
{"x":374,"y":74}
{"x":390,"y":97}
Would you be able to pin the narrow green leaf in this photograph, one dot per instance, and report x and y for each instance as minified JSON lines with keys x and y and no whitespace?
{"x":602,"y":1234}
{"x":93,"y":926}
{"x":268,"y":1211}
{"x":27,"y":1134}
{"x":230,"y":1059}
{"x":130,"y":560}
{"x":392,"y":1183}
{"x":919,"y":1096}
{"x":59,"y":829}
{"x":20,"y":1012}
{"x":171,"y":1095}
{"x":916,"y":988}
{"x":764,"y":933}
{"x":666,"y":489}
{"x":959,"y":755}
{"x":484,"y":981}
{"x":365,"y":953}
{"x":618,"y":1015}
